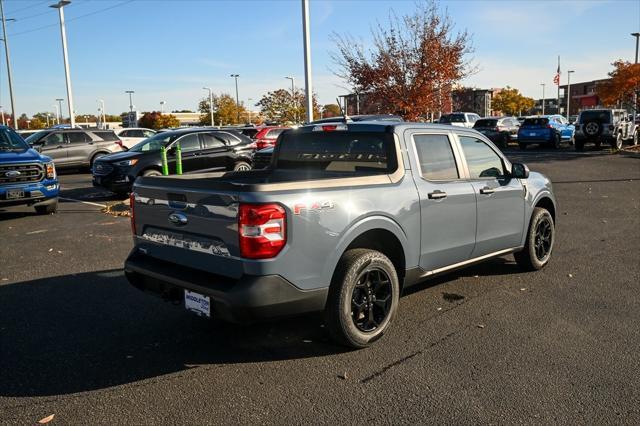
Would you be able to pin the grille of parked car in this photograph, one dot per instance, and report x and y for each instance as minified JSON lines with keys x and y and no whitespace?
{"x":102,"y":169}
{"x":21,"y":173}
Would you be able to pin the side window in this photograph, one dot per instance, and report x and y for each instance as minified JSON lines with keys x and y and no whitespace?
{"x":435,"y":157}
{"x":54,"y":139}
{"x":78,"y":137}
{"x":137,"y":134}
{"x":210,"y":141}
{"x":124,"y":134}
{"x":189,"y":142}
{"x":482,"y":161}
{"x":148,"y":133}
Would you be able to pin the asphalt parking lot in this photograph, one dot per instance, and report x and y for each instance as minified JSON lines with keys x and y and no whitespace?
{"x":488,"y":344}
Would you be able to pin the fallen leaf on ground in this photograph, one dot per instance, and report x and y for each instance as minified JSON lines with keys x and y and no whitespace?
{"x":46,"y":419}
{"x":480,"y":326}
{"x":570,"y":275}
{"x":307,"y":341}
{"x":343,"y":376}
{"x":438,"y":309}
{"x":50,"y":250}
{"x":523,"y":289}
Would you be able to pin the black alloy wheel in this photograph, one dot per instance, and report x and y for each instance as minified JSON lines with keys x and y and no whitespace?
{"x":543,"y":238}
{"x":371,"y":299}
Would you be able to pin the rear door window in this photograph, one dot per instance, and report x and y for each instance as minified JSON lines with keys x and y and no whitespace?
{"x":189,"y":142}
{"x":482,"y":161}
{"x":78,"y":137}
{"x":436,"y":157}
{"x":210,"y":141}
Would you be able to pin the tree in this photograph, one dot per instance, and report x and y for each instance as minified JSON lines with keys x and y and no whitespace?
{"x":413,"y":60}
{"x":225,"y":110}
{"x":282,"y":107}
{"x":625,"y":78}
{"x":22,"y":121}
{"x":331,"y":110}
{"x":511,"y":102}
{"x":156,"y":120}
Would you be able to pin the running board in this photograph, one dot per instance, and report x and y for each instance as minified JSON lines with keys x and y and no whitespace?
{"x":417,"y":275}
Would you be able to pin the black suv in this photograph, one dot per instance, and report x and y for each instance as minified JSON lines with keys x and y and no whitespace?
{"x":500,"y":130}
{"x":203,"y":150}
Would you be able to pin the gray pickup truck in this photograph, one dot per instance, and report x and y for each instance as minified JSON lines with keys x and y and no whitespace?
{"x":344,"y":218}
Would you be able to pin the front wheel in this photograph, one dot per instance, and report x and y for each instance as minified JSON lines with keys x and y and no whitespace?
{"x":617,"y":143}
{"x":363,"y":298}
{"x":635,"y":137}
{"x":241,"y":166}
{"x":539,"y":244}
{"x":555,"y":141}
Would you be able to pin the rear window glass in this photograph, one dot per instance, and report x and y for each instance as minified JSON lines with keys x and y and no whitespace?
{"x":486,"y":123}
{"x":601,"y":116}
{"x":535,"y":121}
{"x":338,"y":151}
{"x":452,"y":118}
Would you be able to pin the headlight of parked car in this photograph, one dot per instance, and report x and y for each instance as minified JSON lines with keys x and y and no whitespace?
{"x":127,"y":162}
{"x":51,"y":170}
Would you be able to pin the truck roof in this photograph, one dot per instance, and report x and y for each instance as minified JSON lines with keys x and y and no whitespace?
{"x":381,"y":126}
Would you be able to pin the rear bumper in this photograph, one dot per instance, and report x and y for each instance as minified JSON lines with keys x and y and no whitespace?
{"x":248,"y":299}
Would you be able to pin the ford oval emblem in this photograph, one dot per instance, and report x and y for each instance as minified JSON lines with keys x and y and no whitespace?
{"x":178,"y":219}
{"x":12,"y":174}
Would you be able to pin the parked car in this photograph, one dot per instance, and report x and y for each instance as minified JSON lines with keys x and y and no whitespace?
{"x":550,"y":130}
{"x":132,"y":135}
{"x":460,"y":119}
{"x":348,"y":216}
{"x":499,"y":130}
{"x":267,"y":136}
{"x":203,"y":150}
{"x":26,"y":133}
{"x":249,"y":131}
{"x":610,"y":126}
{"x":573,"y":119}
{"x":73,"y":147}
{"x":26,"y":176}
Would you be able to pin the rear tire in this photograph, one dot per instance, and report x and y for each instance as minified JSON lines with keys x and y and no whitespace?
{"x":47,"y":209}
{"x":363,"y":298}
{"x":539,"y":244}
{"x":151,"y":172}
{"x":555,"y":141}
{"x":241,"y":166}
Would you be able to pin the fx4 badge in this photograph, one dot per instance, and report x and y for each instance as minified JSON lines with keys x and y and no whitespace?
{"x":298,"y":208}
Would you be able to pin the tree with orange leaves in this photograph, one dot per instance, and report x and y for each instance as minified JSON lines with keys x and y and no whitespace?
{"x":625,"y":78}
{"x":413,"y":63}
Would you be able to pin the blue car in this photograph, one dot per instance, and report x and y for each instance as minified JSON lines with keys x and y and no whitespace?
{"x":26,"y":176}
{"x":550,"y":130}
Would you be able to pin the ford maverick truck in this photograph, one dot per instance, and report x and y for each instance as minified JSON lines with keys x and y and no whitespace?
{"x":344,"y":218}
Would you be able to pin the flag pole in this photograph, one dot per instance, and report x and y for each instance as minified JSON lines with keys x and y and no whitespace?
{"x":558,"y":99}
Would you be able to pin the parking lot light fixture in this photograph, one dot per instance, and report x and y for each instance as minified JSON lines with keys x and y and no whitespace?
{"x":162,"y":107}
{"x":543,"y":85}
{"x":210,"y":104}
{"x":104,"y":114}
{"x":59,"y":109}
{"x":635,"y":92}
{"x":293,"y":97}
{"x":235,"y":76}
{"x":6,"y":50}
{"x":63,"y":34}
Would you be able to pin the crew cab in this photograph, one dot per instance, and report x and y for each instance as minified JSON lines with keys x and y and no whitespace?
{"x":344,"y":218}
{"x":26,"y":176}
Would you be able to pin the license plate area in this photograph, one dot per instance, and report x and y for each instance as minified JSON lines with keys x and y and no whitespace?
{"x":15,"y":194}
{"x":197,"y":303}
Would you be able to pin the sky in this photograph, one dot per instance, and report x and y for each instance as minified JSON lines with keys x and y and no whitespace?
{"x":168,"y":50}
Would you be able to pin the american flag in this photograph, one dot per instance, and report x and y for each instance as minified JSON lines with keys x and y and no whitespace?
{"x":556,"y":79}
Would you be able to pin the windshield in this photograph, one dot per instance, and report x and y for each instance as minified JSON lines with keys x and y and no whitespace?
{"x":452,"y":118}
{"x":601,"y":116}
{"x":338,"y":152}
{"x":154,"y":143}
{"x":31,"y":139}
{"x":11,"y":141}
{"x":485,"y":123}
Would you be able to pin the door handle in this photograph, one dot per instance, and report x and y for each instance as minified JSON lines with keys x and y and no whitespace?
{"x":487,"y":191}
{"x":437,"y":195}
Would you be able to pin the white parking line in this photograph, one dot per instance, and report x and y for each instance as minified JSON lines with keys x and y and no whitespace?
{"x":83,"y":202}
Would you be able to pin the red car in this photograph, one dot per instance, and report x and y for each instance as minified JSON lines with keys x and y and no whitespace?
{"x":266,"y":136}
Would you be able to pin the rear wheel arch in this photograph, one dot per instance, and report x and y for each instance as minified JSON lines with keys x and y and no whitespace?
{"x":96,"y":155}
{"x":150,"y":169}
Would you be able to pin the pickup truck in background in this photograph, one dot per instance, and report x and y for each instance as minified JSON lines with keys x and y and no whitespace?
{"x":345,"y":217}
{"x":26,"y":176}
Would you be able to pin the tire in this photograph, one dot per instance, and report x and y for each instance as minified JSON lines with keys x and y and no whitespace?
{"x":95,"y":157}
{"x":539,"y":244}
{"x":617,"y":142}
{"x":241,"y":166}
{"x":47,"y":209}
{"x":579,"y":145}
{"x":151,"y":172}
{"x":555,"y":141}
{"x":368,"y":277}
{"x":592,"y":129}
{"x":522,"y":146}
{"x":504,"y":141}
{"x":635,"y":136}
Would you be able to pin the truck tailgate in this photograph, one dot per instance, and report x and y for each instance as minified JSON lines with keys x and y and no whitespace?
{"x":188,"y":227}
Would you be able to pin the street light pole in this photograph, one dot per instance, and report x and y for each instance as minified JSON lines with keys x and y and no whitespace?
{"x":130,"y":93}
{"x":57,"y":113}
{"x":2,"y":112}
{"x":63,"y":34}
{"x":59,"y":109}
{"x":237,"y":97}
{"x":635,"y":92}
{"x":162,"y":107}
{"x":6,"y":50}
{"x":542,"y":84}
{"x":569,"y":93}
{"x":210,"y":104}
{"x":293,"y":97}
{"x":104,"y":114}
{"x":307,"y":59}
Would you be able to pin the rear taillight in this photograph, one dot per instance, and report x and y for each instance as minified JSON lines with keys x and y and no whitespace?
{"x":262,"y":230}
{"x":119,"y":143}
{"x":132,"y":204}
{"x":549,"y":126}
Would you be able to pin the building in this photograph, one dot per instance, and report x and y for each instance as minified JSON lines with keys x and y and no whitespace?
{"x":471,"y":99}
{"x":362,"y":103}
{"x":583,"y":96}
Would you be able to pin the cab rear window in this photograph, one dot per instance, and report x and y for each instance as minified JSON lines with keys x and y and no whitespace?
{"x":338,"y":152}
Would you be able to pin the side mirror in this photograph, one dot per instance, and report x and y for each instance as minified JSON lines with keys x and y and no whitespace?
{"x":519,"y":171}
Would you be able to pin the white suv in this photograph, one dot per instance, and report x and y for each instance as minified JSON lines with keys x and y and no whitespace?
{"x":460,"y":119}
{"x":132,"y":135}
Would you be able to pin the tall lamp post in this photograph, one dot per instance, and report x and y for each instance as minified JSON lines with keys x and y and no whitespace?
{"x":293,"y":97}
{"x":104,"y":113}
{"x":131,"y":117}
{"x":542,"y":84}
{"x":2,"y":113}
{"x":63,"y":34}
{"x":59,"y":109}
{"x":6,"y":50}
{"x":235,"y":76}
{"x":307,"y":59}
{"x":210,"y":104}
{"x":162,"y":107}
{"x":569,"y":93}
{"x":635,"y":92}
